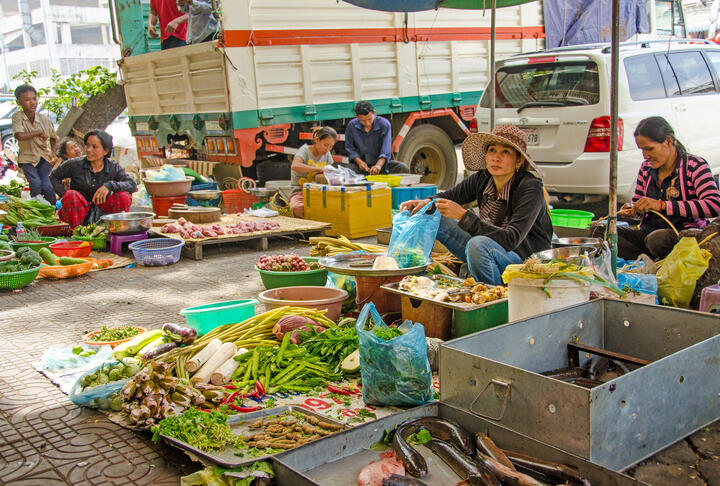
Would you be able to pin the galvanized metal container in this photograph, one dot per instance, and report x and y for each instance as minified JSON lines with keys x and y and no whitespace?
{"x":337,"y":460}
{"x":495,"y":374}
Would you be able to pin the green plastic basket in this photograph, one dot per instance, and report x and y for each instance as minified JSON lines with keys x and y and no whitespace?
{"x":313,"y":278}
{"x":46,"y":242}
{"x":17,"y":280}
{"x":571,"y":218}
{"x":98,"y":242}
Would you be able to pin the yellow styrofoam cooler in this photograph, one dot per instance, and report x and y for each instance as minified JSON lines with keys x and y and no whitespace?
{"x":353,"y":211}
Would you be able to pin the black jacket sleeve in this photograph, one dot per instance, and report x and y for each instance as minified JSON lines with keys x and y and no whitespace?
{"x":467,"y":191}
{"x":63,"y":171}
{"x":120,"y":180}
{"x":526,"y":202}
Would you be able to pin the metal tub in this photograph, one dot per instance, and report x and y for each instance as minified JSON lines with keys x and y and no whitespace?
{"x":495,"y":374}
{"x":337,"y":460}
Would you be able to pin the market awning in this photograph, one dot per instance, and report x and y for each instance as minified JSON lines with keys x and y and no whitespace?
{"x":419,"y":5}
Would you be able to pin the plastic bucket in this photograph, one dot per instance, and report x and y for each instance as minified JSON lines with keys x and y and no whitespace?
{"x":526,"y":297}
{"x":312,"y":297}
{"x":571,"y":218}
{"x":161,"y":205}
{"x":205,"y":318}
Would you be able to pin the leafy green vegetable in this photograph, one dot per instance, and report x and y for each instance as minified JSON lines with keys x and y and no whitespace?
{"x":332,"y":345}
{"x":14,"y":188}
{"x":422,"y":436}
{"x":114,"y":334}
{"x":204,"y":430}
{"x":387,"y":334}
{"x":237,"y":476}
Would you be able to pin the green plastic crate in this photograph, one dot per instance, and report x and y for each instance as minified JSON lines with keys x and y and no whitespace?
{"x":492,"y":315}
{"x":571,"y":218}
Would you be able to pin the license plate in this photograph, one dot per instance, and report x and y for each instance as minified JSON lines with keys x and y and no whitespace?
{"x":532,"y":135}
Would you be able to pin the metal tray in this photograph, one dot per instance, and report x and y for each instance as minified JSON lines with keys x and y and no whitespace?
{"x":239,"y":425}
{"x":360,"y":265}
{"x":458,"y":306}
{"x":496,"y":374}
{"x":338,"y":459}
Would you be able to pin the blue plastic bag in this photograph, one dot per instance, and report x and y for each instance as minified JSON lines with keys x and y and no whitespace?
{"x":413,"y":236}
{"x":644,"y":283}
{"x":89,"y":396}
{"x":395,"y":372}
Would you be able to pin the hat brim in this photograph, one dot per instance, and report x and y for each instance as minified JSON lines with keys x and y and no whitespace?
{"x":474,"y":148}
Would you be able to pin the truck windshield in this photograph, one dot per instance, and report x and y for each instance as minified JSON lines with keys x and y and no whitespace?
{"x":553,"y":84}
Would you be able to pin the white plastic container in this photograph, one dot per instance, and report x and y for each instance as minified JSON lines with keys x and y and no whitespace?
{"x":526,"y":297}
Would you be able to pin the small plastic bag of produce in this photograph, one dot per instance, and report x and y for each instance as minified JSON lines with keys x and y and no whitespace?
{"x":413,"y":236}
{"x":59,"y":359}
{"x":101,"y":382}
{"x":395,"y":371}
{"x":338,"y":175}
{"x":679,"y":272}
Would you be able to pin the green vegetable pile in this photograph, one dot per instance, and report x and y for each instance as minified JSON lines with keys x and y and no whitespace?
{"x":216,"y":476}
{"x":92,"y":230}
{"x":25,"y":259}
{"x":107,"y":334}
{"x":332,"y":345}
{"x":12,"y":189}
{"x":285,"y":369}
{"x":387,"y":333}
{"x":30,"y":213}
{"x":203,"y":430}
{"x":110,"y":372}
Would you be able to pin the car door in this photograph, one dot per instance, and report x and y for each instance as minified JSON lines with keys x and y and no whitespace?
{"x":695,"y":101}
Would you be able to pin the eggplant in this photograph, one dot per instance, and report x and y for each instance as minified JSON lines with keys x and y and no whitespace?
{"x":463,"y":465}
{"x":504,"y":473}
{"x":443,"y":429}
{"x":396,"y":480}
{"x":546,"y":470}
{"x":485,"y":445}
{"x":159,"y":350}
{"x":180,"y":334}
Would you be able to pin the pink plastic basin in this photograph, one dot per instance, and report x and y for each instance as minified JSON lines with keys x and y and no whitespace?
{"x":319,"y":298}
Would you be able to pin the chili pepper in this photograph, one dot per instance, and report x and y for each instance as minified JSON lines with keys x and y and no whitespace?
{"x":230,"y":398}
{"x":208,"y":410}
{"x":243,"y":409}
{"x":229,"y":387}
{"x":333,"y":389}
{"x":259,"y":389}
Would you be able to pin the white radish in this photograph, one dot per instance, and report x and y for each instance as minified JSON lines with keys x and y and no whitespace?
{"x":203,"y":355}
{"x":223,"y":374}
{"x":226,"y":351}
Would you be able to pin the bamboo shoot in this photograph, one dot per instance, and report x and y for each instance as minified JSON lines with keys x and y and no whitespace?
{"x":201,"y":357}
{"x":221,"y":376}
{"x":226,"y":351}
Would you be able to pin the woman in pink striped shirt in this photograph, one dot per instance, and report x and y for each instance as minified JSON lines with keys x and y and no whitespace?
{"x":672,"y":182}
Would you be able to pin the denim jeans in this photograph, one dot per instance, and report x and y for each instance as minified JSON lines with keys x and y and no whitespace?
{"x":38,"y":177}
{"x":485,"y":257}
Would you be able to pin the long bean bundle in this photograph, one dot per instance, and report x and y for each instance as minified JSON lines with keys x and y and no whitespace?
{"x":30,"y":213}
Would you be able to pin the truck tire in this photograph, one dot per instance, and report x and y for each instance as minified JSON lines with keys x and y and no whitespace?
{"x":428,"y":151}
{"x":273,"y":169}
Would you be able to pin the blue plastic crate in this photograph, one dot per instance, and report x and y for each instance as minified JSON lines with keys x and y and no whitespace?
{"x":402,"y":194}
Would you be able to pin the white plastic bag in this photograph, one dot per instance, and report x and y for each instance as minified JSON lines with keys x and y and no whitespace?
{"x":338,"y":176}
{"x":167,"y":173}
{"x":60,"y":359}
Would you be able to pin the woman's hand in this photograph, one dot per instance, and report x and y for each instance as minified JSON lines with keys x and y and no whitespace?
{"x":645,"y":204}
{"x":450,"y":209}
{"x":100,"y":195}
{"x":414,"y":205}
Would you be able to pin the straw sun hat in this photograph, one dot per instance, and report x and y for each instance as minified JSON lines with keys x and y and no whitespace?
{"x":475,"y":146}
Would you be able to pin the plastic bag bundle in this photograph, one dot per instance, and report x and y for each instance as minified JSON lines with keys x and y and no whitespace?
{"x":643,"y":283}
{"x":88,"y":396}
{"x":337,"y":176}
{"x":413,"y":236}
{"x":167,"y":173}
{"x":395,"y":372}
{"x":679,"y":272}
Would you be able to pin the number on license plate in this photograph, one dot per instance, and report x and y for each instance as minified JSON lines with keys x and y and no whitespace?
{"x":532,"y":135}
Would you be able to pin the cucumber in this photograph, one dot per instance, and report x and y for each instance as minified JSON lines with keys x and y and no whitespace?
{"x":47,"y":256}
{"x":71,"y":261}
{"x":351,"y":364}
{"x":142,"y":340}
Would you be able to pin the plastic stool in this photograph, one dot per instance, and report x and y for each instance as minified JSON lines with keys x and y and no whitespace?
{"x":116,"y":241}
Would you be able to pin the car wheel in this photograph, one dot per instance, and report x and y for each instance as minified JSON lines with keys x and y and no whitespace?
{"x":10,"y":145}
{"x":428,"y":151}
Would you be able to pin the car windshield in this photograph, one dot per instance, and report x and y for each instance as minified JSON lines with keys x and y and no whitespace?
{"x":552,"y":84}
{"x":7,"y":108}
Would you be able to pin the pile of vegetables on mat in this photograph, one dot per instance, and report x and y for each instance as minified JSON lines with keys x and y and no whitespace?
{"x":110,"y":334}
{"x":285,"y":263}
{"x":110,"y":372}
{"x":31,"y":213}
{"x":153,"y":344}
{"x":204,"y":430}
{"x":25,"y":259}
{"x":327,"y":246}
{"x":92,"y":230}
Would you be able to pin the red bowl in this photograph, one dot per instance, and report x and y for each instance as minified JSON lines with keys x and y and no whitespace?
{"x":73,"y":249}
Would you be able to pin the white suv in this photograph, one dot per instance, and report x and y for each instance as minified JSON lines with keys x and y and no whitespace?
{"x":561,"y":98}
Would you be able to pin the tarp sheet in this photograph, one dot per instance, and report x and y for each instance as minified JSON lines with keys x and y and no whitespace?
{"x":569,"y":23}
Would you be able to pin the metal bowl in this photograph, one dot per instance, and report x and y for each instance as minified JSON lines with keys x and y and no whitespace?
{"x":128,"y":223}
{"x":577,"y":241}
{"x":263,"y":191}
{"x":564,"y":253}
{"x":205,"y":195}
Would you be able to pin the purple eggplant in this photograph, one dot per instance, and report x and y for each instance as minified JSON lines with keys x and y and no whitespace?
{"x":159,"y":350}
{"x":180,"y":334}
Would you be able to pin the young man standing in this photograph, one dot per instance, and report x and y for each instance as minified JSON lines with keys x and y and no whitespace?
{"x":173,"y":24}
{"x":368,"y":141}
{"x":32,"y":131}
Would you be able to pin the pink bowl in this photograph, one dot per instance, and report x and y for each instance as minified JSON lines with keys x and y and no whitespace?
{"x":319,"y":298}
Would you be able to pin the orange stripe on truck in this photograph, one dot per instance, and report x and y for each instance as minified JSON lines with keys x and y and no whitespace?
{"x":244,"y":38}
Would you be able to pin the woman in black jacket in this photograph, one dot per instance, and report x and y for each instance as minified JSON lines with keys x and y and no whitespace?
{"x":97,"y":184}
{"x":512,"y":220}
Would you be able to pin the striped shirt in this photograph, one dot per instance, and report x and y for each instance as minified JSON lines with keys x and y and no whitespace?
{"x":493,"y":202}
{"x":695,"y":199}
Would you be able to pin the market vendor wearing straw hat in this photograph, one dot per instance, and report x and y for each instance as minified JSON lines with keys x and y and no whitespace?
{"x":512,"y":219}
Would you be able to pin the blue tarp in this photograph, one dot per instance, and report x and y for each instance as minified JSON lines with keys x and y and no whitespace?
{"x":569,"y":23}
